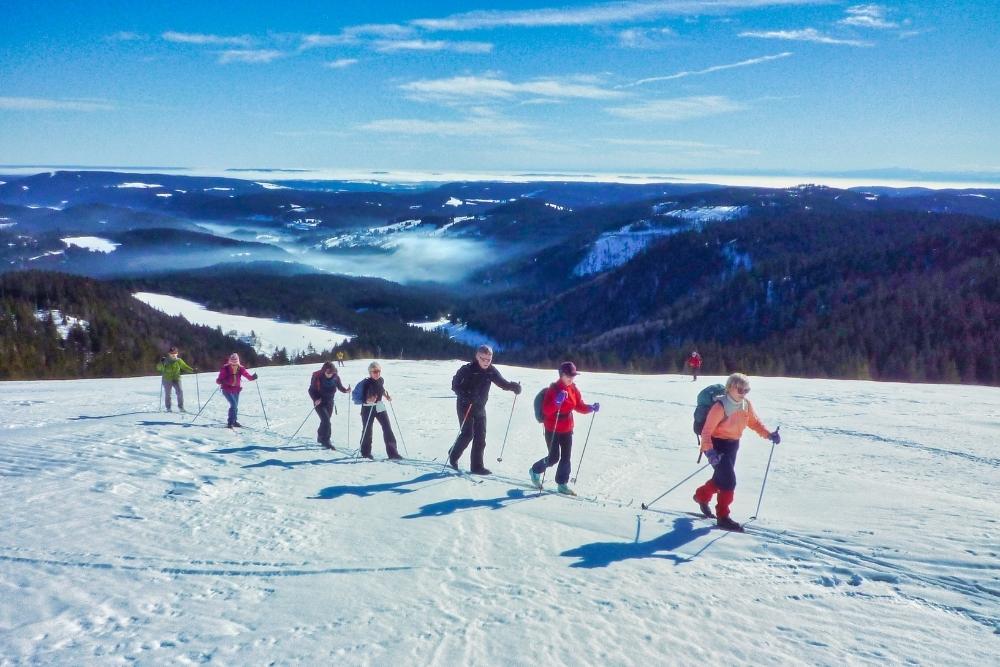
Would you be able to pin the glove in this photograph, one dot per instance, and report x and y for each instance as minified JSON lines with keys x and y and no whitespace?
{"x":516,"y":388}
{"x":561,"y":397}
{"x":595,"y":407}
{"x":775,"y":438}
{"x":714,"y":458}
{"x":253,"y":377}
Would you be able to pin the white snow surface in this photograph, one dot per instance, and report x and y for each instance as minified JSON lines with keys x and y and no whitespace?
{"x":616,"y":248}
{"x":138,"y":186}
{"x":131,"y":536}
{"x":271,"y":186}
{"x":706,"y":214}
{"x":91,"y":243}
{"x":270,"y":334}
{"x":453,"y":201}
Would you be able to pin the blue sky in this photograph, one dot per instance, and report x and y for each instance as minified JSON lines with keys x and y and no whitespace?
{"x":738,"y":86}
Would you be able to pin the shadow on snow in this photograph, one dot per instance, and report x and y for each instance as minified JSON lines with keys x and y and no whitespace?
{"x":446,"y":507}
{"x":602,"y":554}
{"x":332,"y":492}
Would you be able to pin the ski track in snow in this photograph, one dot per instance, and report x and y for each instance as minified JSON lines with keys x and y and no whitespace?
{"x":133,"y":535}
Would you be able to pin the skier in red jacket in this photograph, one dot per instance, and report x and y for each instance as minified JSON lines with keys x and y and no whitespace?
{"x":694,"y":362}
{"x":562,"y":398}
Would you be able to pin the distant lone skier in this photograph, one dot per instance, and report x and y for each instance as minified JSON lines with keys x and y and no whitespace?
{"x":340,"y":358}
{"x":694,"y":363}
{"x":370,"y":392}
{"x":229,"y":380}
{"x":562,"y":399}
{"x":171,"y":367}
{"x":471,"y":385}
{"x":323,"y":388}
{"x":720,"y":440}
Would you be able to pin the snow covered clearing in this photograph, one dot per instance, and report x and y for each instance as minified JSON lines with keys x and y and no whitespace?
{"x":272,"y":186}
{"x":452,"y":201}
{"x":616,"y":248}
{"x":138,"y":186}
{"x":132,"y":536}
{"x":63,"y":322}
{"x":707,"y":214}
{"x":91,"y":243}
{"x":458,"y":331}
{"x":270,"y":335}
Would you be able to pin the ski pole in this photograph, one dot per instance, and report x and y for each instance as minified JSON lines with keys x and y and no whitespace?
{"x":461,"y":428}
{"x":159,"y":401}
{"x":292,"y":436}
{"x":371,"y":414}
{"x":395,"y":419}
{"x":698,"y":438}
{"x":197,"y":386}
{"x":646,"y":506}
{"x":585,"y":441}
{"x":211,"y":396}
{"x":500,"y":458}
{"x":764,"y":483}
{"x":261,"y":395}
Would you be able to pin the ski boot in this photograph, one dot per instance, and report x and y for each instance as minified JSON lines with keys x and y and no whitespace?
{"x":565,"y":490}
{"x":706,"y":511}
{"x":725,"y":523}
{"x":536,"y":479}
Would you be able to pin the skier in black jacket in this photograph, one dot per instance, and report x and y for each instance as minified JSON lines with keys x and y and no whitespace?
{"x":372,"y":391}
{"x":323,"y":386}
{"x":472,"y":385}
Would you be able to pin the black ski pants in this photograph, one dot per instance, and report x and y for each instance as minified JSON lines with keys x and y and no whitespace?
{"x":325,"y":412}
{"x":370,"y":414}
{"x":560,"y":449}
{"x":474,"y":431}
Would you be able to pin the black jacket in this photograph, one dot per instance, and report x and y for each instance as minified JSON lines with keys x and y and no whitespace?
{"x":472,"y":384}
{"x":321,"y":388}
{"x":372,"y":390}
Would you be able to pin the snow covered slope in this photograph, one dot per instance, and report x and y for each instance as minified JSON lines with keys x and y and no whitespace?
{"x":134,"y":536}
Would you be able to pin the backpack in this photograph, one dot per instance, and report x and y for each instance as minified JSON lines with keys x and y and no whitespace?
{"x":706,"y":398}
{"x":358,"y":393}
{"x":539,"y":399}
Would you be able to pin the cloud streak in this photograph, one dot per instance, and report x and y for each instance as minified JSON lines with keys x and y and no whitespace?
{"x":203,"y":39}
{"x":709,"y":70}
{"x":677,"y":109}
{"x":803,"y":35}
{"x":497,"y":88}
{"x":597,"y":14}
{"x":394,"y":46}
{"x":868,"y":16}
{"x":249,"y":56}
{"x":42,"y":104}
{"x":470,"y":127}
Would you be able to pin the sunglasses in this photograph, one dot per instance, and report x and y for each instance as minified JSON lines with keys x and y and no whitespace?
{"x":742,"y":390}
{"x":376,"y":372}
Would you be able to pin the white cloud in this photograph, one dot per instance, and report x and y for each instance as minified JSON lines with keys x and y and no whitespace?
{"x":249,"y":56}
{"x":474,"y":126}
{"x":41,"y":104}
{"x":355,"y":35}
{"x":804,"y":35}
{"x":492,"y":87}
{"x":341,"y":63}
{"x":709,"y":70}
{"x":393,"y":46}
{"x":676,"y":147}
{"x":645,"y":38}
{"x":213,"y":40}
{"x":125,"y":36}
{"x":678,"y":108}
{"x":598,"y":14}
{"x":868,"y":16}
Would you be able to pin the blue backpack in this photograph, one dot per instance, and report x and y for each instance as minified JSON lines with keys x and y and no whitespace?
{"x":358,"y":393}
{"x":706,"y":398}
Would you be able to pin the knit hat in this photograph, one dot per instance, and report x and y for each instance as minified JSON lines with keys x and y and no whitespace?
{"x":568,"y":368}
{"x":234,"y":358}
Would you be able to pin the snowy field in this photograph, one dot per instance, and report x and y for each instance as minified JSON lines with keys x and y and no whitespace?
{"x":271,"y":335}
{"x":133,"y":536}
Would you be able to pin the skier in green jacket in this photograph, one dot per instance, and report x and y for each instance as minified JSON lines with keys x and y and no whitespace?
{"x":171,"y":366}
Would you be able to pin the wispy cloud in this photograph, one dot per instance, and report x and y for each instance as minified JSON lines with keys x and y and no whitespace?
{"x":684,"y":148}
{"x":868,"y":16}
{"x":468,"y":127}
{"x":497,"y":88}
{"x":249,"y":56}
{"x":709,"y":70}
{"x":356,"y":35}
{"x":341,"y":63}
{"x":645,"y":38}
{"x":393,"y":46}
{"x":803,"y":35}
{"x":597,"y":14}
{"x":678,"y":108}
{"x":212,"y":40}
{"x":125,"y":36}
{"x":42,"y":104}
